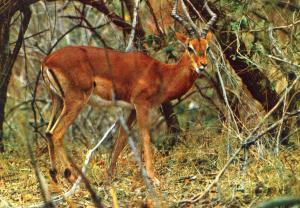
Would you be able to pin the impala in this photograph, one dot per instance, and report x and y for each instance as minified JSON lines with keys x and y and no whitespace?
{"x":76,"y":75}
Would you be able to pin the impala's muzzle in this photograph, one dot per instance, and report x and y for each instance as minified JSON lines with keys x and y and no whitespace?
{"x":201,"y":68}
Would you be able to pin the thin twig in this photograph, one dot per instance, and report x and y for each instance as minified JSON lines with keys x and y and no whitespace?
{"x":134,"y":23}
{"x":214,"y":60}
{"x":281,"y":124}
{"x":137,"y":157}
{"x":31,"y":36}
{"x":284,"y":60}
{"x":61,"y":37}
{"x":95,"y":198}
{"x":251,"y":139}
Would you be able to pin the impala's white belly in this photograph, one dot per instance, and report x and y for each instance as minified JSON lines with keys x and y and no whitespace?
{"x":98,"y":101}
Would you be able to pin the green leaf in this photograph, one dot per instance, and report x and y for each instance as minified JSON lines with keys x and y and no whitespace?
{"x":234,"y":26}
{"x":169,"y":49}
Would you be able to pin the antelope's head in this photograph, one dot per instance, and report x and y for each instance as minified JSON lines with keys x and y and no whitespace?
{"x":196,"y":49}
{"x":196,"y":45}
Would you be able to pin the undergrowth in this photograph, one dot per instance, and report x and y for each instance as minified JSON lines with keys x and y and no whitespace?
{"x":256,"y":175}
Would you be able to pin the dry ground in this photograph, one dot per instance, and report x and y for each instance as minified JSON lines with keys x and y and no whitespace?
{"x":183,"y":173}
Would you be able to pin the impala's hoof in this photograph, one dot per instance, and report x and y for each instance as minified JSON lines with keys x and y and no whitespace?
{"x":70,"y":175}
{"x":67,"y":173}
{"x":53,"y":173}
{"x":48,"y":135}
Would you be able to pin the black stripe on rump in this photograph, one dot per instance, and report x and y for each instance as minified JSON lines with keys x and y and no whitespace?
{"x":57,"y":82}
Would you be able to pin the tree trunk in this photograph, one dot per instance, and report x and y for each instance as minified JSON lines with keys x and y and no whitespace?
{"x":4,"y":77}
{"x":256,"y":82}
{"x":7,"y":59}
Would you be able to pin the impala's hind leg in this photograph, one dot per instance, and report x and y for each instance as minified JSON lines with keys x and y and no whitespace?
{"x":73,"y":103}
{"x":56,"y":108}
{"x":120,"y":143}
{"x":57,"y":104}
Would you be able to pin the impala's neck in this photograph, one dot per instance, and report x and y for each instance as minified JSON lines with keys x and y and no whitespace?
{"x":179,"y":77}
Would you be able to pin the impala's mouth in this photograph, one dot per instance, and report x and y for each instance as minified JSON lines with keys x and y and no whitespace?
{"x":200,"y":69}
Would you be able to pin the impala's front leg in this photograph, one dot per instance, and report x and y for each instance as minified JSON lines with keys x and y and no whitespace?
{"x":142,"y":113}
{"x":120,"y":143}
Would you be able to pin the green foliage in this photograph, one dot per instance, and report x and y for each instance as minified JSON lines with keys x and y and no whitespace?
{"x":152,"y":39}
{"x":169,"y":49}
{"x":235,"y":26}
{"x":286,"y":202}
{"x":242,"y":23}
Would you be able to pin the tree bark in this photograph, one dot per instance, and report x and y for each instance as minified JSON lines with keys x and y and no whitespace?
{"x":7,"y":58}
{"x":4,"y":55}
{"x":256,"y":82}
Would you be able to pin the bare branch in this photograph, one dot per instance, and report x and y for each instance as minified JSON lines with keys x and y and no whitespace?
{"x":133,"y":27}
{"x":284,"y":61}
{"x":278,"y":50}
{"x":95,"y":198}
{"x":251,"y":139}
{"x":212,"y":56}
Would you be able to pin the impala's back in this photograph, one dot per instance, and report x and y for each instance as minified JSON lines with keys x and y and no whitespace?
{"x":132,"y":75}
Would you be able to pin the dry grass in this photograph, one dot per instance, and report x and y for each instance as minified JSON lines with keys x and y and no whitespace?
{"x":184,"y":172}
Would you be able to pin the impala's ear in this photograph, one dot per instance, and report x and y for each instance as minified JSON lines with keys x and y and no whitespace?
{"x":182,"y":38}
{"x":208,"y":36}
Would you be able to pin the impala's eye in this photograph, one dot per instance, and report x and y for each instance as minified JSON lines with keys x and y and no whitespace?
{"x":190,"y":49}
{"x":207,"y":48}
